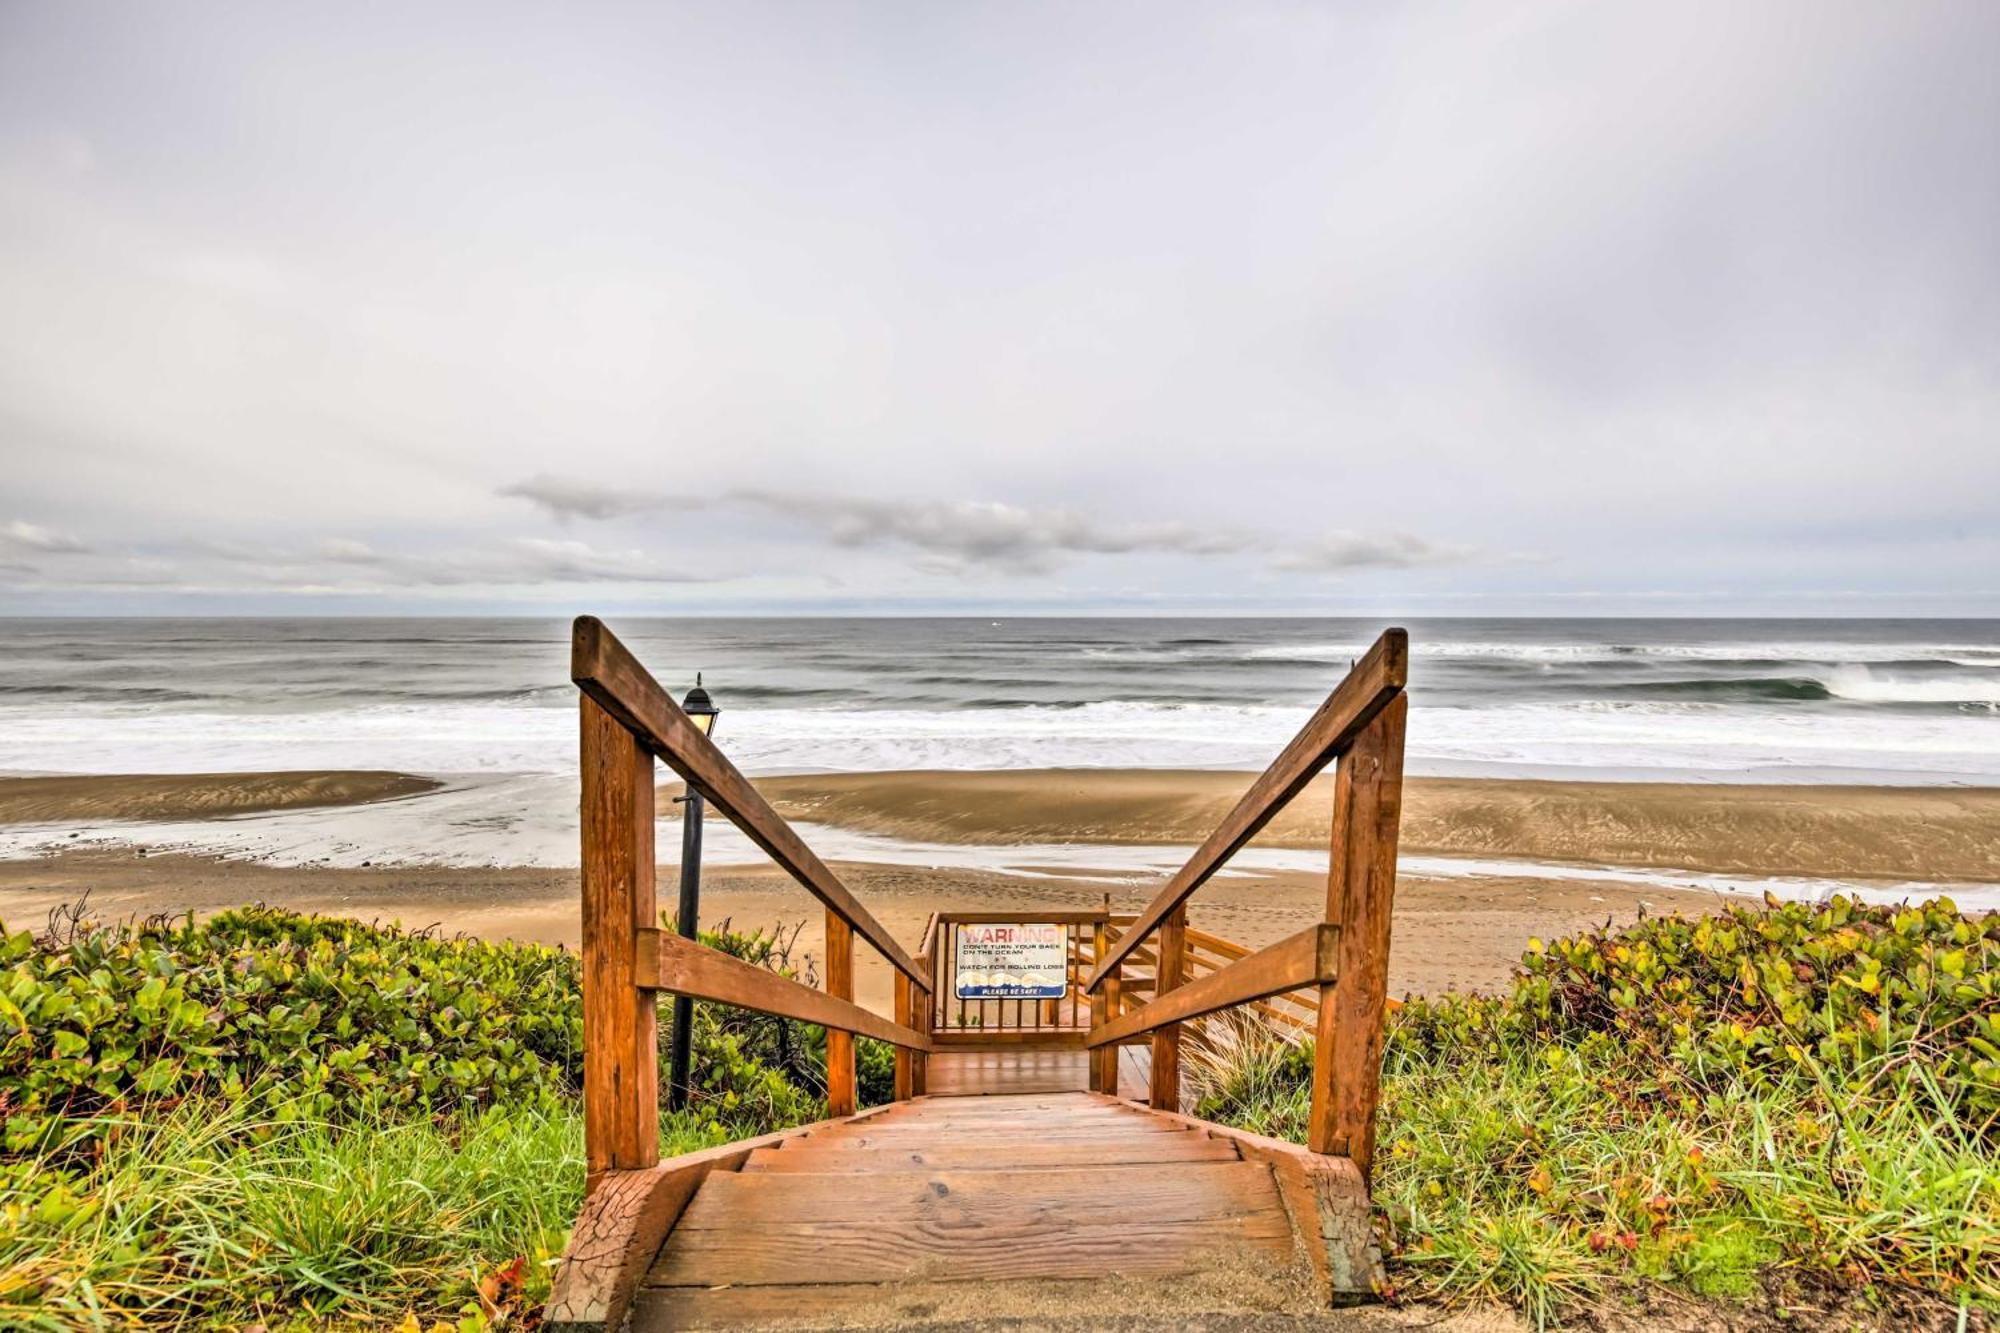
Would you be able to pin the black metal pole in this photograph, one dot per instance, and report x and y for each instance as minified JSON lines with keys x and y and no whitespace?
{"x":687,"y":918}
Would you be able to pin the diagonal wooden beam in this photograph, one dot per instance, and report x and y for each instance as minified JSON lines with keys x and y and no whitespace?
{"x":1376,"y":679}
{"x":1305,"y":959}
{"x":606,"y":670}
{"x":665,"y":961}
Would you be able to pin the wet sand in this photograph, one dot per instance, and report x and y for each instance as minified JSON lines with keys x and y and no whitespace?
{"x":1882,"y":833}
{"x":1461,"y":933}
{"x":1938,"y":834}
{"x":1449,"y":934}
{"x":161,"y":796}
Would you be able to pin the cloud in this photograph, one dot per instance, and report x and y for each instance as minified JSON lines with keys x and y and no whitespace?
{"x":984,"y":532}
{"x":1340,"y":551}
{"x":521,"y":560}
{"x":345,"y":565}
{"x":24,"y":536}
{"x":952,"y":537}
{"x":579,"y":499}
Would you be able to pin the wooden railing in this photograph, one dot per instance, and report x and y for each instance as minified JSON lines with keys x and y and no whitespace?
{"x":627,"y":721}
{"x":1342,"y":959}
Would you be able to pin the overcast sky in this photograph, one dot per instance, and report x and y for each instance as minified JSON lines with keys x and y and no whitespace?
{"x":1541,"y":308}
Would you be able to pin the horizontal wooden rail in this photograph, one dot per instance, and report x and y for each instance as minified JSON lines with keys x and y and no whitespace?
{"x":1309,"y":958}
{"x":1375,"y":680}
{"x":605,"y":669}
{"x":667,"y":962}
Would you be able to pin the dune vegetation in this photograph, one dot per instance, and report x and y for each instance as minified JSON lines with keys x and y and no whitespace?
{"x":266,"y":1118}
{"x":277,"y":1119}
{"x":1791,"y":1105}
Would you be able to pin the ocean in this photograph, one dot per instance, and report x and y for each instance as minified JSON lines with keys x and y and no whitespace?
{"x":1878,"y":701}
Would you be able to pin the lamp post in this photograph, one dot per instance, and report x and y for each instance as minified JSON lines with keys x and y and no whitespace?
{"x":687,"y":918}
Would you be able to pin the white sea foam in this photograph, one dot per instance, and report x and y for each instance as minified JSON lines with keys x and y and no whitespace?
{"x":1690,"y":739}
{"x":1865,"y":685}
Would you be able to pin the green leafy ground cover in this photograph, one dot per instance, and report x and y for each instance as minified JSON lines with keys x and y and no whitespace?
{"x":1782,"y":1102}
{"x":265,"y":1117}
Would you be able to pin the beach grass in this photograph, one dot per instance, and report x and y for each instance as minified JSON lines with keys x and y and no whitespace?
{"x":1592,"y":1137}
{"x":269,"y":1119}
{"x":1777,"y":1109}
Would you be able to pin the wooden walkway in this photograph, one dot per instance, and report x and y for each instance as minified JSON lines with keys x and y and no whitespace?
{"x":997,"y":1196}
{"x":978,"y":1073}
{"x":1032,"y":1164}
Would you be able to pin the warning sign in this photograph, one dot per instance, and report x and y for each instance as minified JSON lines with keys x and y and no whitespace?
{"x":1013,"y":961}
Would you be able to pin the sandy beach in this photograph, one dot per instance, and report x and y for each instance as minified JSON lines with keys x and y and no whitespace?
{"x":1450,"y":934}
{"x":1459,"y":933}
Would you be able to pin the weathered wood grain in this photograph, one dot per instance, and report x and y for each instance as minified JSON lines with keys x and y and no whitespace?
{"x":1361,"y":895}
{"x":1301,"y":959}
{"x":625,"y":1217}
{"x":1023,"y":1244}
{"x":621,"y":1077}
{"x":668,"y":962}
{"x":1165,"y":1089}
{"x":606,"y":670}
{"x":1328,"y":1203}
{"x":840,"y":1084}
{"x":1030,"y":1156}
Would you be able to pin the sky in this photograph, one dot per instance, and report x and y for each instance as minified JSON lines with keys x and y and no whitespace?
{"x":1543,"y":308}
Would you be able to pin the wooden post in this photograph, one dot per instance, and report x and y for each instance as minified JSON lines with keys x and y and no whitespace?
{"x":1169,"y":973}
{"x":1113,"y":991}
{"x":1360,"y":896}
{"x":839,"y":1043}
{"x":1098,"y":1018}
{"x":621,"y":1075}
{"x":906,"y":1072}
{"x":925,"y":1003}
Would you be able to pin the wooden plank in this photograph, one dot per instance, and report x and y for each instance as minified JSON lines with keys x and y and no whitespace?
{"x":840,"y":1075}
{"x":1329,"y":1207}
{"x":906,"y":1074}
{"x":1028,"y":1039}
{"x":922,"y":1013}
{"x":978,"y":1198}
{"x":1367,"y":689}
{"x":1361,"y":895}
{"x":668,"y":962}
{"x":621,"y":1077}
{"x":1228,"y":950}
{"x":1154,"y":1148}
{"x":1019,"y":1242}
{"x":1165,"y":1089}
{"x":606,"y":670}
{"x":625,"y":1217}
{"x":1308,"y":957}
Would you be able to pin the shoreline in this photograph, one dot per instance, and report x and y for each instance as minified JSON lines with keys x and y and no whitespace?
{"x":1450,"y":934}
{"x":1879,"y":835}
{"x":1470,"y":893}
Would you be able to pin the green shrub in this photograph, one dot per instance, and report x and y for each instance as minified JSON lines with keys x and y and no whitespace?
{"x":338,"y":1018}
{"x":1784,"y":1090}
{"x":1866,"y":995}
{"x":266,"y":1114}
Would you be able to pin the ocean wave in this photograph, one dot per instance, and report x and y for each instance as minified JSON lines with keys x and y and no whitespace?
{"x":1776,"y":652}
{"x":1861,"y":685}
{"x":1637,"y":735}
{"x":1742,"y":689}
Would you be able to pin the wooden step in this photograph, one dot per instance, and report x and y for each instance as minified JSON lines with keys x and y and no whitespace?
{"x":1018,"y":1155}
{"x":891,"y":1137}
{"x":752,"y":1230}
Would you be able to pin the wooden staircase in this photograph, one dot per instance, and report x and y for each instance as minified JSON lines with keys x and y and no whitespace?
{"x":1004,"y":1206}
{"x":1016,"y":1174}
